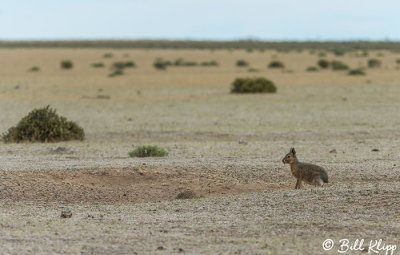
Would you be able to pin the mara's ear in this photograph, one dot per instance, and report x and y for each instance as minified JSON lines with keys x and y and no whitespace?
{"x":293,"y":151}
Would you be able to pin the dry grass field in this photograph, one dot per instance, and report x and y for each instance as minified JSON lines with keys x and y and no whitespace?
{"x":246,"y":202}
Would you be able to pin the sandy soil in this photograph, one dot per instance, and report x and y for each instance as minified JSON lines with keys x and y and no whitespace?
{"x":245,"y":202}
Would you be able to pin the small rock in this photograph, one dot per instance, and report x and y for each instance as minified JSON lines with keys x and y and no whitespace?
{"x":187,"y":194}
{"x":160,"y":248}
{"x":333,"y":151}
{"x":59,"y":150}
{"x":241,"y":141}
{"x":66,"y":214}
{"x":17,"y":87}
{"x":375,"y":149}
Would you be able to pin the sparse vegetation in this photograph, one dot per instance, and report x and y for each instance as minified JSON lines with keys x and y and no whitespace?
{"x":374,"y":63}
{"x":241,"y":63}
{"x":209,"y":63}
{"x":148,"y":151}
{"x":179,"y":62}
{"x":44,"y":125}
{"x":97,"y":65}
{"x":287,"y":46}
{"x":356,"y":71}
{"x":323,"y":63}
{"x":339,"y":66}
{"x":160,"y":64}
{"x":117,"y":72}
{"x":398,"y":61}
{"x":338,"y":52}
{"x":34,"y":69}
{"x":67,"y":64}
{"x":276,"y":64}
{"x":253,"y":85}
{"x":107,"y":55}
{"x":121,"y":65}
{"x":253,"y":70}
{"x":312,"y":69}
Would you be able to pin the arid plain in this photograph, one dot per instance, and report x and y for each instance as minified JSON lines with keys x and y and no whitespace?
{"x":246,"y":201}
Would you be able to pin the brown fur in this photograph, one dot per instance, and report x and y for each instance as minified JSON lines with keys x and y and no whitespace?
{"x":310,"y":173}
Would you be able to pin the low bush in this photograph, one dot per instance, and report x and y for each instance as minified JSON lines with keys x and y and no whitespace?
{"x":253,"y":85}
{"x":107,"y":55}
{"x":209,"y":63}
{"x":339,"y":66}
{"x":34,"y":69}
{"x":97,"y":65}
{"x":252,"y":70}
{"x":276,"y":64}
{"x":323,"y":63}
{"x":357,"y":71}
{"x":312,"y":69}
{"x":117,"y":72}
{"x":121,"y":65}
{"x":374,"y":63}
{"x":338,"y":52}
{"x":398,"y":61}
{"x":148,"y":151}
{"x":44,"y":125}
{"x":67,"y":64}
{"x":241,"y":63}
{"x":160,"y":64}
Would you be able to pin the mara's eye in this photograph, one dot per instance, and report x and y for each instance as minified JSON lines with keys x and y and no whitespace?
{"x":288,"y":156}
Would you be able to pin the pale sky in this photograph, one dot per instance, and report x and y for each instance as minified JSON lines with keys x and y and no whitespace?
{"x":200,"y":19}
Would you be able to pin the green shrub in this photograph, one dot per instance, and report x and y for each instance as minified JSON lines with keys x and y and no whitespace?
{"x":321,"y":54}
{"x":338,"y":52}
{"x":241,"y":63}
{"x":398,"y":61}
{"x":312,"y":69}
{"x":276,"y":64}
{"x":98,"y":65}
{"x":107,"y":55}
{"x":338,"y":65}
{"x":117,"y":72}
{"x":323,"y":63}
{"x":130,"y":64}
{"x":34,"y":69}
{"x":209,"y":63}
{"x":121,"y":65}
{"x":44,"y":125}
{"x":253,"y":85}
{"x":357,"y":71}
{"x":160,"y":64}
{"x":67,"y":64}
{"x":252,"y":70}
{"x":148,"y":151}
{"x":374,"y":63}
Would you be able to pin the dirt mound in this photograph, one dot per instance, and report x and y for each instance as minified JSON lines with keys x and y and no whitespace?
{"x":117,"y":186}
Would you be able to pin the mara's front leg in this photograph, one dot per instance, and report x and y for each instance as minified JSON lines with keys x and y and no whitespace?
{"x":298,"y":184}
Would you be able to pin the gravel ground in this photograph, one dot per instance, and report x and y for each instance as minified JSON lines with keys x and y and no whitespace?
{"x":245,"y":202}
